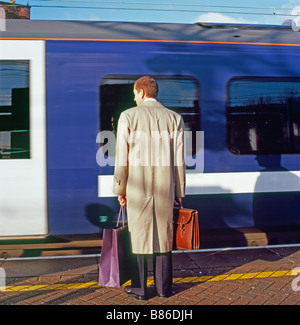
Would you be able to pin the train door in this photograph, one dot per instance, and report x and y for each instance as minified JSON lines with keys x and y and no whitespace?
{"x":23,"y":208}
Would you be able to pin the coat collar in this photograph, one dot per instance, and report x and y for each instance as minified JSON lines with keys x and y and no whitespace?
{"x":150,"y":103}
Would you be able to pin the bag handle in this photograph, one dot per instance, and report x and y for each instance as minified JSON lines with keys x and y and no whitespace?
{"x":121,"y":211}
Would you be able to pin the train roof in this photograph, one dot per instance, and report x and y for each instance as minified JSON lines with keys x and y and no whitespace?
{"x":100,"y":30}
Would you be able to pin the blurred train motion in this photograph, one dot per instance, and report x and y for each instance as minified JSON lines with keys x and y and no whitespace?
{"x":61,"y":83}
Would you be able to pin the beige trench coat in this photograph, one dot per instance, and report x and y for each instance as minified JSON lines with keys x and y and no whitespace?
{"x":150,"y":171}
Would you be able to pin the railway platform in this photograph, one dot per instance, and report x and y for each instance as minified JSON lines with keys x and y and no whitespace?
{"x":252,"y":276}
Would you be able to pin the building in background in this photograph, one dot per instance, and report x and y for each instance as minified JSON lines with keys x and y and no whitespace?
{"x":12,"y":10}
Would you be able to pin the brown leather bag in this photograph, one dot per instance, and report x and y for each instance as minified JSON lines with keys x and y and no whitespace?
{"x":186,"y":229}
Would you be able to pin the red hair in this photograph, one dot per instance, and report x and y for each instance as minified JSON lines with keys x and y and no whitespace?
{"x":148,"y":84}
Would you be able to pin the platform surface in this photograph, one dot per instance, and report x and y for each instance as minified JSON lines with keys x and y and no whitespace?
{"x":257,"y":276}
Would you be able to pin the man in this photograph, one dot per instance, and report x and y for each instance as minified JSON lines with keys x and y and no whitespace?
{"x":149,"y":177}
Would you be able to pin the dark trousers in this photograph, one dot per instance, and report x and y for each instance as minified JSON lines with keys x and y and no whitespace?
{"x":162,"y":268}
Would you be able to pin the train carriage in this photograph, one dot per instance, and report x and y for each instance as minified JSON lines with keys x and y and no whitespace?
{"x":63,"y":84}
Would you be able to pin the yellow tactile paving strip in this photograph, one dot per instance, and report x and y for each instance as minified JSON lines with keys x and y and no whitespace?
{"x":222,"y":277}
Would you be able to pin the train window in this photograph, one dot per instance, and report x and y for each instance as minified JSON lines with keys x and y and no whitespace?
{"x":263,"y":115}
{"x":179,"y":93}
{"x":14,"y":109}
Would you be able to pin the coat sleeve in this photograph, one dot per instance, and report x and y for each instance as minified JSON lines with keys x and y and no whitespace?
{"x":180,"y":162}
{"x":121,"y":159}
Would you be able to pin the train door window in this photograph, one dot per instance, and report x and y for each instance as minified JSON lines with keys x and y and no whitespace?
{"x":14,"y":109}
{"x":263,"y":115}
{"x":179,"y":93}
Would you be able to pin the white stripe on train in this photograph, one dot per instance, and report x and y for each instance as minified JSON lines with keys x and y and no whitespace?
{"x":225,"y":183}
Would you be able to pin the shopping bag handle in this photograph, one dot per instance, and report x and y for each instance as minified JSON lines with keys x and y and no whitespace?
{"x":121,"y":211}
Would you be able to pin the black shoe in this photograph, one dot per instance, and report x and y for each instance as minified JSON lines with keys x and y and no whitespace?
{"x":129,"y":293}
{"x":166,"y":295}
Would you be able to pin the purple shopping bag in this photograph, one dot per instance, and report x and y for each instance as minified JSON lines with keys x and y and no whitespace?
{"x":116,"y":257}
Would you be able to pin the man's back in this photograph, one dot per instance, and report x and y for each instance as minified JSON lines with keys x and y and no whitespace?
{"x":150,"y":172}
{"x":153,"y":115}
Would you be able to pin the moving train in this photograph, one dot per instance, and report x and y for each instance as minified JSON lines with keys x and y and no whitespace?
{"x":62,"y":83}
